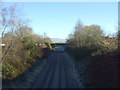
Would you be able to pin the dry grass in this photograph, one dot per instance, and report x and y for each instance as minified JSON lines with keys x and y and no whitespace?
{"x":25,"y":79}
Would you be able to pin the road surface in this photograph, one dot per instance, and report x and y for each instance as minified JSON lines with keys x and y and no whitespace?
{"x":57,"y":72}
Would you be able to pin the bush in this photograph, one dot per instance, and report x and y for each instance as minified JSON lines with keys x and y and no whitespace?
{"x":90,"y":40}
{"x":9,"y":71}
{"x":22,"y":54}
{"x":80,"y":53}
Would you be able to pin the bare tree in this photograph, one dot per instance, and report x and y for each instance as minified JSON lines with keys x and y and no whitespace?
{"x":10,"y":23}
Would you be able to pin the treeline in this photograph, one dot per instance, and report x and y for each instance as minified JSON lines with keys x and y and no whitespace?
{"x":90,"y":41}
{"x":20,"y":46}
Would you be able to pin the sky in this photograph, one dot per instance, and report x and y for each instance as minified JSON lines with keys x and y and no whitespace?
{"x":60,"y":0}
{"x":58,"y":19}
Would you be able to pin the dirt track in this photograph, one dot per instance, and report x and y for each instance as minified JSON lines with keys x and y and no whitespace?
{"x":57,"y":72}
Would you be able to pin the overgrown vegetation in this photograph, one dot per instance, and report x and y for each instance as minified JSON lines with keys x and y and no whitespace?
{"x":96,"y":56}
{"x":90,"y":40}
{"x":21,"y":46}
